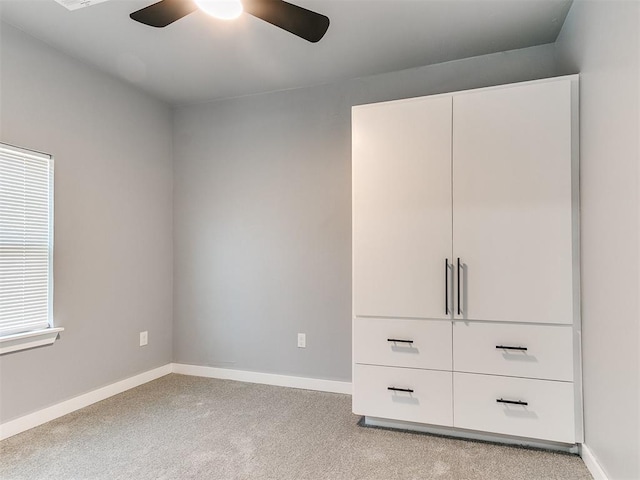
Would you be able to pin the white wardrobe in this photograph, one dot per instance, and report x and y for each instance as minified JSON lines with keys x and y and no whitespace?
{"x":466,"y":262}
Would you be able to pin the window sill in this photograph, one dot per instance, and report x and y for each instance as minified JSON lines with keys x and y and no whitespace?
{"x":23,"y":341}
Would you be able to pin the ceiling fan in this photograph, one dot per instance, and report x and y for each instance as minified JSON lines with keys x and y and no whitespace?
{"x":294,"y":19}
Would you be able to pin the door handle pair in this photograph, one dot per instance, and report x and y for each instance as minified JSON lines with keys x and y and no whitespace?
{"x":446,"y":286}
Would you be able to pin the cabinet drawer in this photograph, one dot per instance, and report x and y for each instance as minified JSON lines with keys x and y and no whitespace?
{"x":548,"y":354}
{"x":548,"y":414}
{"x":425,"y":343}
{"x":430,"y":400}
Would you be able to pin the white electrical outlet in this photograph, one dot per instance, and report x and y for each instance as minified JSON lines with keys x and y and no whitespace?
{"x":302,"y":340}
{"x":144,"y":338}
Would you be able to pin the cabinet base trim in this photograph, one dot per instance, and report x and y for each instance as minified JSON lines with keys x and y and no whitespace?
{"x":467,"y":434}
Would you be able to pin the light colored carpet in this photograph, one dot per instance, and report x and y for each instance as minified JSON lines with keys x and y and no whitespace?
{"x":181,"y":427}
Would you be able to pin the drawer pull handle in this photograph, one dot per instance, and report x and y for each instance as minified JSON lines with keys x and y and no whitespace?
{"x":506,"y":347}
{"x":397,"y":340}
{"x":396,"y":389}
{"x":511,"y":402}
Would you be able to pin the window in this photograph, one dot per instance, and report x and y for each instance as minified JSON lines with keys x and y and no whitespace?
{"x":26,"y":249}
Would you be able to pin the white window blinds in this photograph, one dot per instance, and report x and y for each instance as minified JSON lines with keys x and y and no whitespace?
{"x":26,"y":240}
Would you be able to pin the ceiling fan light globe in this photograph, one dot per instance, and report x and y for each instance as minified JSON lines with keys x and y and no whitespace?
{"x":223,"y":9}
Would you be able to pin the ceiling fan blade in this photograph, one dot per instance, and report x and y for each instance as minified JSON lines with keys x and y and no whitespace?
{"x":164,"y":12}
{"x":297,"y":20}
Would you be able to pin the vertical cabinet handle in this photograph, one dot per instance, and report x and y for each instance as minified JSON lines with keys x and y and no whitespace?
{"x":446,"y":286}
{"x":459,"y":294}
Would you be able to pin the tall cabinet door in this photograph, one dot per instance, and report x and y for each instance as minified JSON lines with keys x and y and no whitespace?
{"x":512,"y":203}
{"x":401,"y":207}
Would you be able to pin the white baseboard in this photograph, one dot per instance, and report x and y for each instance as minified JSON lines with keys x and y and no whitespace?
{"x":592,"y":464}
{"x":21,"y":424}
{"x":304,"y":383}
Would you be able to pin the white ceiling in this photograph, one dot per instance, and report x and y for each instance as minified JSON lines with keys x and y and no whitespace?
{"x":199,"y":58}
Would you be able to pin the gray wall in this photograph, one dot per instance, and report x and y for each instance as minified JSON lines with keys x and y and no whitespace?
{"x":113,"y":221}
{"x":263,"y":215}
{"x":601,"y":40}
